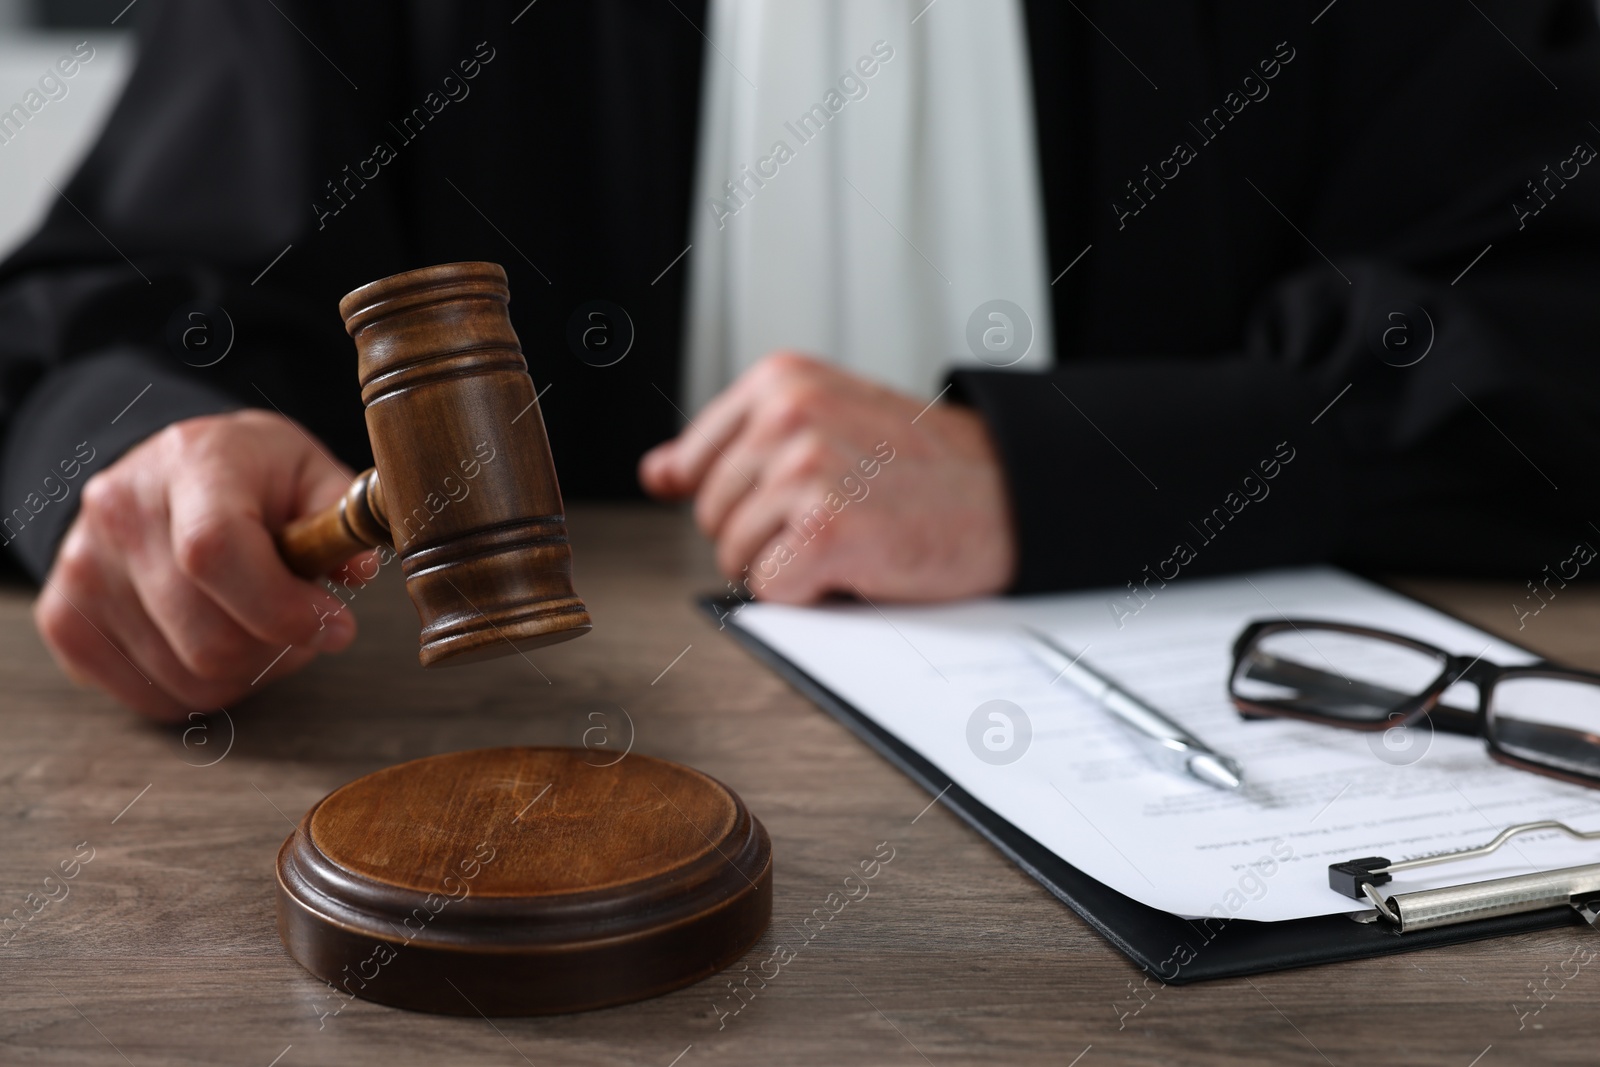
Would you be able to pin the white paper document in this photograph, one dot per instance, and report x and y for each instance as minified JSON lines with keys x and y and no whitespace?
{"x":1082,"y":785}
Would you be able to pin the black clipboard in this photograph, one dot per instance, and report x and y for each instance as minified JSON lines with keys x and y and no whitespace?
{"x":1175,"y":950}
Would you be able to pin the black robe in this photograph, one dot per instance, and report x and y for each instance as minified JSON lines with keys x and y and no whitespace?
{"x":1333,"y":268}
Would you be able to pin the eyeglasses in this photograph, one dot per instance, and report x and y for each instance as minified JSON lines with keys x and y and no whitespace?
{"x":1538,"y":717}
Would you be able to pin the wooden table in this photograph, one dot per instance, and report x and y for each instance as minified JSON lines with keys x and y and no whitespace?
{"x":164,"y":951}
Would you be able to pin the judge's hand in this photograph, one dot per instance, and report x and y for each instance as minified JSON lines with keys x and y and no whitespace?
{"x":813,"y":481}
{"x":168,"y":592}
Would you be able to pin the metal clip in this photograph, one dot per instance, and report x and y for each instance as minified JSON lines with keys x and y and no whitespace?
{"x":1589,"y":907}
{"x":1578,"y":887}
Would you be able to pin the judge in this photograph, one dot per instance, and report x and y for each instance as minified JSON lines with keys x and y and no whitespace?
{"x":1070,"y":280}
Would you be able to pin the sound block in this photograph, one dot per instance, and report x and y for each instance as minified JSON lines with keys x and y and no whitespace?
{"x":523,"y":881}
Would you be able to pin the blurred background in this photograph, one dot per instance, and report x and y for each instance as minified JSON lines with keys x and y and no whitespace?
{"x":33,"y":35}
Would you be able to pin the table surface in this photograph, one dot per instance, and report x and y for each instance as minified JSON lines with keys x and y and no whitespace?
{"x":164,"y":950}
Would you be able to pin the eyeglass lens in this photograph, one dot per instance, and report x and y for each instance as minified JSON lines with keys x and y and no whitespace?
{"x":1359,"y":678}
{"x":1334,"y":674}
{"x":1550,"y":721}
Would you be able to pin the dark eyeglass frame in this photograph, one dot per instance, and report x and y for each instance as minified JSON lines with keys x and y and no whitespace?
{"x":1475,"y":670}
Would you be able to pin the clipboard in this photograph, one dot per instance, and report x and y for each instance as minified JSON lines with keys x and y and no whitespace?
{"x":1174,"y":950}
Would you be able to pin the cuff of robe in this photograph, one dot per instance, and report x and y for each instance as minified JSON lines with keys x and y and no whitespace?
{"x":79,"y":420}
{"x":1142,"y":471}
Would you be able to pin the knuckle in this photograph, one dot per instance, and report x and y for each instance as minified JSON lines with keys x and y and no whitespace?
{"x":97,"y":492}
{"x":189,"y":435}
{"x":811,"y":458}
{"x":56,"y":623}
{"x":787,"y":363}
{"x":255,"y":418}
{"x":792,"y":408}
{"x":75,"y":566}
{"x":71,"y":640}
{"x":203,"y":438}
{"x":105,"y":494}
{"x":110,"y":508}
{"x":202,"y":548}
{"x":175,"y":442}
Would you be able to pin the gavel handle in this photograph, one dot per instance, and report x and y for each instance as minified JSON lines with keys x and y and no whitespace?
{"x":317,"y":544}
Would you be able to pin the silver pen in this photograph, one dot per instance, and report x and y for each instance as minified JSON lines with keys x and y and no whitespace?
{"x":1172,"y":745}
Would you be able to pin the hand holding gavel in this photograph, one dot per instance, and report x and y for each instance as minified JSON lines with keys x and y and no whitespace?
{"x":169,"y":591}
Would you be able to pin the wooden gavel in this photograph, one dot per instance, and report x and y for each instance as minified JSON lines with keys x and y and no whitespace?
{"x":462,"y":485}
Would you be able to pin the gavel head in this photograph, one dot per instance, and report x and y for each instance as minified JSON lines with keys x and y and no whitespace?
{"x":463,"y":483}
